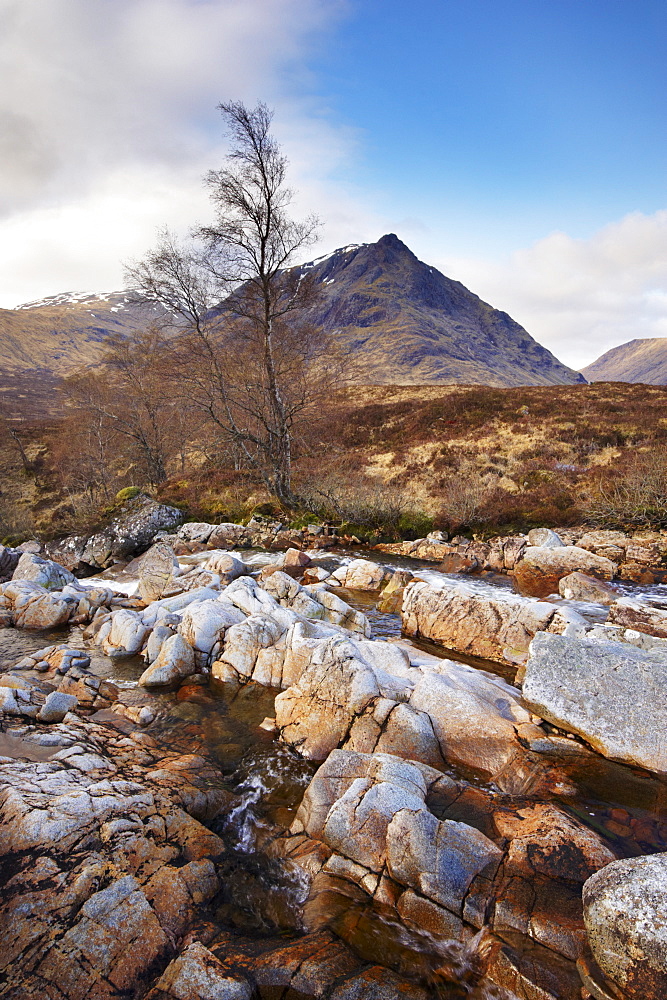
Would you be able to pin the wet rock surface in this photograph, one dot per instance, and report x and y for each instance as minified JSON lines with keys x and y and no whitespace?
{"x":198,"y":975}
{"x":104,"y":869}
{"x":63,"y":684}
{"x":385,"y":827}
{"x":444,"y":835}
{"x":640,"y":558}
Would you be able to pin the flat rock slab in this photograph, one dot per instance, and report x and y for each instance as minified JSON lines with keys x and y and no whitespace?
{"x":494,"y":627}
{"x":648,"y":616}
{"x":612,"y":694}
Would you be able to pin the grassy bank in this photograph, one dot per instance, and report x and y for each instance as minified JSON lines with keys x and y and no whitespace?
{"x":393,"y":461}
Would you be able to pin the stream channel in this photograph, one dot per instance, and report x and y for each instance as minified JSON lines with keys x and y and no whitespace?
{"x":264,"y":897}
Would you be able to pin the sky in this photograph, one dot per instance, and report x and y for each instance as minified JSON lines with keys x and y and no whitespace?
{"x":517,"y":145}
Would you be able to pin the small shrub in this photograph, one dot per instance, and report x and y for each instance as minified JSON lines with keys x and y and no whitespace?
{"x":630,"y":495}
{"x":362,"y":506}
{"x":211,"y":494}
{"x":415,"y":524}
{"x":463,"y":497}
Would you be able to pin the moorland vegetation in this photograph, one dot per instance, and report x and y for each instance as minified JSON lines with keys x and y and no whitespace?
{"x":385,"y":462}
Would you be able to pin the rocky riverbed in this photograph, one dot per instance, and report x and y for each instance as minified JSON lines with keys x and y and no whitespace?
{"x":232,"y":772}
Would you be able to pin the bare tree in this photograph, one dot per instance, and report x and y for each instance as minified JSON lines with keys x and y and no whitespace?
{"x":82,"y":448}
{"x":634,"y":493}
{"x":241,"y":357}
{"x":128,"y":395}
{"x":10,"y":423}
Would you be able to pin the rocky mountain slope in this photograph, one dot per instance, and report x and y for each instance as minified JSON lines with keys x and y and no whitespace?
{"x":41,"y":342}
{"x":408,"y":324}
{"x":404,"y":323}
{"x":63,"y":332}
{"x":637,"y":361}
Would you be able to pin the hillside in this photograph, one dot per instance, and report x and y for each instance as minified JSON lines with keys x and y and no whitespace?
{"x":403,"y":322}
{"x":523,"y":456}
{"x":494,"y":458}
{"x":43,"y":341}
{"x":64,"y":332}
{"x":406,"y":323}
{"x":637,"y":361}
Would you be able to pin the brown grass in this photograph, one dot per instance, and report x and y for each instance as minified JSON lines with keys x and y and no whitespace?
{"x":481,"y":457}
{"x":467,"y":457}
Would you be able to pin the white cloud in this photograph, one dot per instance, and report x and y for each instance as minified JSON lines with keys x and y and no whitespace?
{"x":580,"y":297}
{"x":80,"y":245}
{"x":88,"y":82}
{"x":108,"y":121}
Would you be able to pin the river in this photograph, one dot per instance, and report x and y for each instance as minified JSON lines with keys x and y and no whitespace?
{"x":265,"y":897}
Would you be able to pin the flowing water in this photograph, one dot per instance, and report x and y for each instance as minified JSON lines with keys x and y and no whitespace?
{"x":265,"y":897}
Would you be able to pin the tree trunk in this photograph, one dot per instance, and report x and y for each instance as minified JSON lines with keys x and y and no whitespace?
{"x":27,"y":464}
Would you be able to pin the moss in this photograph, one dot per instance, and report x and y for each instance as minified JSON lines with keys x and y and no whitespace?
{"x":266,"y":510}
{"x":415,"y":524}
{"x":303,"y":520}
{"x":360,"y":531}
{"x":12,"y":540}
{"x":129,"y":493}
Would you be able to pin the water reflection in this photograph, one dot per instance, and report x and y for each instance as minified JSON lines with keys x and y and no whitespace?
{"x":450,"y":967}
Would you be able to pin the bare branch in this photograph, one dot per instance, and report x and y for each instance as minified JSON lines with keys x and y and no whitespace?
{"x":238,"y":357}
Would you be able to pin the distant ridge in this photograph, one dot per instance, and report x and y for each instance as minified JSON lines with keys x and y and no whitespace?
{"x":64,"y":332}
{"x":403,"y":322}
{"x":42,"y":342}
{"x":637,"y":361}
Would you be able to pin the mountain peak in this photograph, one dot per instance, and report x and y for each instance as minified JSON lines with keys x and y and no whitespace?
{"x":405,"y":322}
{"x":390,"y":239}
{"x":400,"y":319}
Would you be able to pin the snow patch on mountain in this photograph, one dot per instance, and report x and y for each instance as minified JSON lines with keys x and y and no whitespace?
{"x":120,"y":299}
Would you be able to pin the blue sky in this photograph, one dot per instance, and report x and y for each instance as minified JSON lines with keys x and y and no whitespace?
{"x":520,"y":115}
{"x":518,"y":146}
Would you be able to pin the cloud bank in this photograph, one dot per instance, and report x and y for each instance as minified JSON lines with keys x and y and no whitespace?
{"x":108,"y":122}
{"x":581,"y":297}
